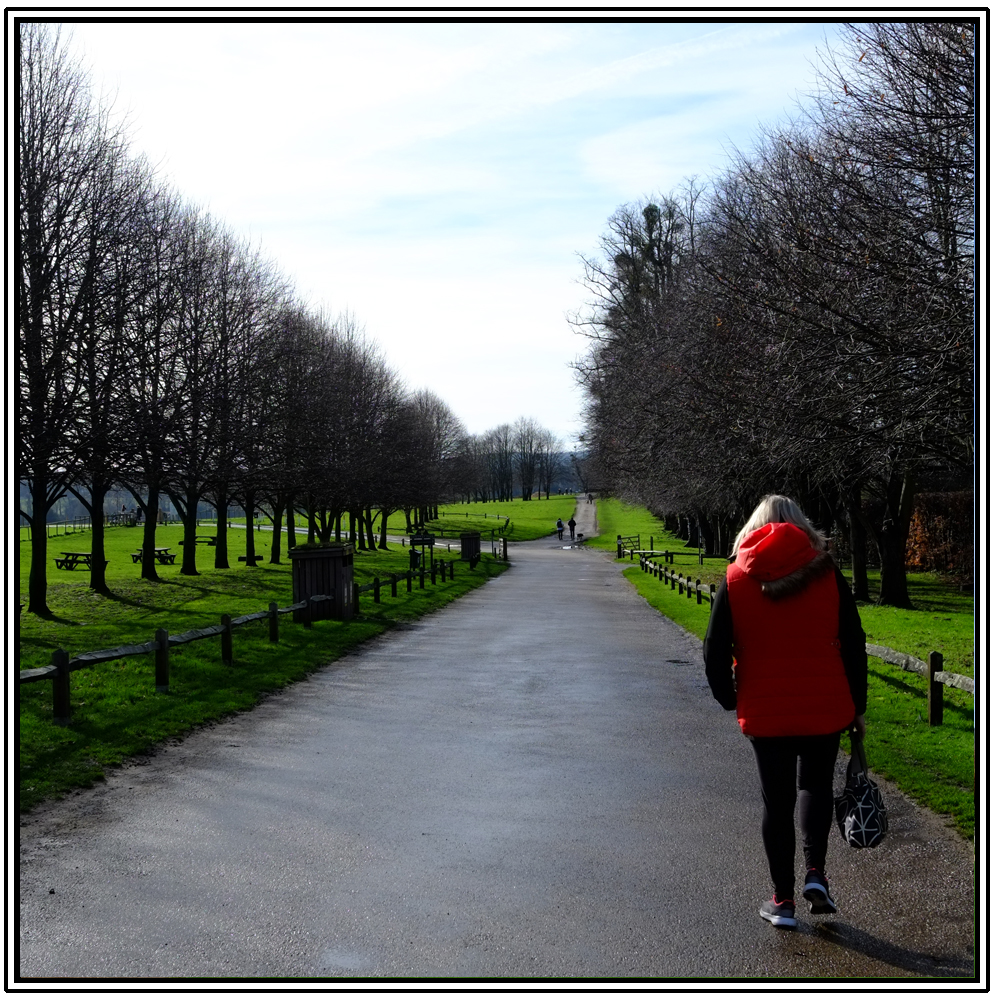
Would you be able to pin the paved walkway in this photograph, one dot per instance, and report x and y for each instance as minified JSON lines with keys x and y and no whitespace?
{"x":533,"y":781}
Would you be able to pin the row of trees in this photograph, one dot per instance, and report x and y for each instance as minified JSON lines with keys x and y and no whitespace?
{"x":804,"y":323}
{"x":162,"y":354}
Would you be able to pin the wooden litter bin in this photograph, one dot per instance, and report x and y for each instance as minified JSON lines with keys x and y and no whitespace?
{"x":328,"y":570}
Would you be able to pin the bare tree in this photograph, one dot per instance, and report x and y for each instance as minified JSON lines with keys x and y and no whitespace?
{"x":65,"y":144}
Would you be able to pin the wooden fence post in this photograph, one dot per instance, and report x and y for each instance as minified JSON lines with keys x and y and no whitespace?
{"x":272,"y":621}
{"x":689,"y":586}
{"x":697,"y":590}
{"x":60,"y":688}
{"x":711,"y":593}
{"x":421,"y":577}
{"x":162,"y":668}
{"x":357,"y":599}
{"x":392,"y":584}
{"x":409,"y":582}
{"x":377,"y":590}
{"x":935,"y":690}
{"x":227,"y":640}
{"x":451,"y":570}
{"x":434,"y":571}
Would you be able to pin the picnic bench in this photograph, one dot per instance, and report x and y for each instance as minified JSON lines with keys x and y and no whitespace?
{"x":251,"y":560}
{"x":70,"y":560}
{"x":201,"y":540}
{"x":162,"y":554}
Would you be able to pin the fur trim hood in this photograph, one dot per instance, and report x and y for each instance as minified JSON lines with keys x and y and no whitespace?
{"x":782,"y":559}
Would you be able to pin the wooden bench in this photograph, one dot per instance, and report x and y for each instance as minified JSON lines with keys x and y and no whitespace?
{"x":252,"y":560}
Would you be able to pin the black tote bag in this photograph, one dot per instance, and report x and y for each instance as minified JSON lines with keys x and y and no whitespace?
{"x":861,"y":814}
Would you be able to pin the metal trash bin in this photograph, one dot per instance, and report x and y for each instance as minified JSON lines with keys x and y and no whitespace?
{"x":327,"y":570}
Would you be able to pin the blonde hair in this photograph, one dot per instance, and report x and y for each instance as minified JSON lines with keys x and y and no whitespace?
{"x":776,"y":509}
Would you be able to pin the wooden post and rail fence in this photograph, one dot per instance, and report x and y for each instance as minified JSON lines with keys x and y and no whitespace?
{"x":58,"y":672}
{"x":938,"y":678}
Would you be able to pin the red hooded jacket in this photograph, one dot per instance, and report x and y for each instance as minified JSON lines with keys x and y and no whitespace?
{"x":784,"y":600}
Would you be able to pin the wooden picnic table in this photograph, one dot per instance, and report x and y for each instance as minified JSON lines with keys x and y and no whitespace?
{"x":70,"y":560}
{"x":161,"y":552}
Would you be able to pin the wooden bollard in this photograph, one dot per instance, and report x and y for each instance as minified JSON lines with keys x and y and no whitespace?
{"x":935,"y":690}
{"x":392,"y":584}
{"x":162,"y":668}
{"x":377,"y":590}
{"x":60,"y":688}
{"x":272,"y":621}
{"x":227,"y":640}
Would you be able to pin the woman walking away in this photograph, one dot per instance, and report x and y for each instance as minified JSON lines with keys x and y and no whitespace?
{"x":800,"y":678}
{"x":559,"y":527}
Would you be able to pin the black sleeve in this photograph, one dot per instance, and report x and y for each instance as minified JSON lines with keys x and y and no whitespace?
{"x":718,"y":650}
{"x":852,"y":646}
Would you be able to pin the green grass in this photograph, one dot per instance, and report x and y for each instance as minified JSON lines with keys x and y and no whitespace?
{"x":934,"y":765}
{"x":115,"y":709}
{"x":529,"y":519}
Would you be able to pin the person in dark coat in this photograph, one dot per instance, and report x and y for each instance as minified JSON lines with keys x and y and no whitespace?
{"x":571,"y":524}
{"x":787,"y":617}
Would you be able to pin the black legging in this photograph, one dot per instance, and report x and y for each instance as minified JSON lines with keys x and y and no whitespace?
{"x":795,"y":768}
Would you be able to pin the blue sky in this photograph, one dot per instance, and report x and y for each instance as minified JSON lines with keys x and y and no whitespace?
{"x":441,"y":180}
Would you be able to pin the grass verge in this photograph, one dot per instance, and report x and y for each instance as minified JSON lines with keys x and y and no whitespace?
{"x":936,"y":766}
{"x":529,"y":519}
{"x":115,"y":709}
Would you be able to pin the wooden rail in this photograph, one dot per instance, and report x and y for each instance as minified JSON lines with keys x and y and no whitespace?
{"x":63,"y":665}
{"x":931,"y":669}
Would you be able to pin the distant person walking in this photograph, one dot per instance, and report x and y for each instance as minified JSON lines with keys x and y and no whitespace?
{"x":571,"y":524}
{"x":559,"y":528}
{"x":590,"y":498}
{"x":800,"y":678}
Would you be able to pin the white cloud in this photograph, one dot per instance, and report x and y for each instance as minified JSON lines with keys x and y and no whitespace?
{"x":438,"y":179}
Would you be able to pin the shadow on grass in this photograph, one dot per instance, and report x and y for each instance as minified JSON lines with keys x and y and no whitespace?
{"x":904,"y":687}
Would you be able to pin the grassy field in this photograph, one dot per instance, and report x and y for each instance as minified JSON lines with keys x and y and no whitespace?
{"x":934,"y":765}
{"x":116,"y":711}
{"x":529,"y":519}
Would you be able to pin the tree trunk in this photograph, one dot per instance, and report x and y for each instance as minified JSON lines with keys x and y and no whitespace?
{"x":383,"y":540}
{"x":859,"y":547}
{"x":276,"y":535}
{"x":290,"y":524}
{"x":37,"y":580}
{"x":249,"y":502}
{"x":892,"y":541}
{"x":221,"y":532}
{"x":369,"y":518}
{"x":189,"y":518}
{"x":94,"y":505}
{"x":98,"y":576}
